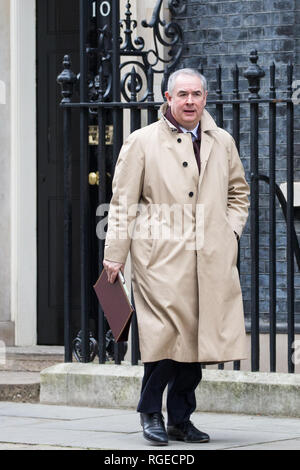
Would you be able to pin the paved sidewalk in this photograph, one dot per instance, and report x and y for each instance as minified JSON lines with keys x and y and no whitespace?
{"x":44,"y":427}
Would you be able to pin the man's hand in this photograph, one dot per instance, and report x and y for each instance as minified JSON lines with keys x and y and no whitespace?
{"x":112,"y":268}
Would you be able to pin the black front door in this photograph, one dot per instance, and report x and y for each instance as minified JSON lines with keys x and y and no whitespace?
{"x":57,"y":34}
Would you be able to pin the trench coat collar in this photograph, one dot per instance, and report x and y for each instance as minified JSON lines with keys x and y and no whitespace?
{"x":207,"y":122}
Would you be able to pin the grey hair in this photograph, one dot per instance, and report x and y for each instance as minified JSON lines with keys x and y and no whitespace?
{"x":173,"y":77}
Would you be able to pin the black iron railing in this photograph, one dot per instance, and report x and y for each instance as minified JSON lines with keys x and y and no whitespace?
{"x":107,"y":89}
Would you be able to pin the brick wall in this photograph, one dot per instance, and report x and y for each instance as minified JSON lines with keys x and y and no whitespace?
{"x":225,"y":32}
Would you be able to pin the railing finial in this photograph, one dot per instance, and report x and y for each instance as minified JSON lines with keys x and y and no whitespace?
{"x":67,"y":80}
{"x":254,"y":74}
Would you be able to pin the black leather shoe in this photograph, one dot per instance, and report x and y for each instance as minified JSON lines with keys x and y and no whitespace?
{"x":154,"y":430}
{"x":187,"y":432}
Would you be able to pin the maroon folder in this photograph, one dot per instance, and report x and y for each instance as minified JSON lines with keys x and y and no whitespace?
{"x":115,"y":303}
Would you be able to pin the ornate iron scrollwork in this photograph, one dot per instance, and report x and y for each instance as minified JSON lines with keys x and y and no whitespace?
{"x":94,"y":349}
{"x":77,"y":347}
{"x":128,"y":23}
{"x":177,"y":7}
{"x":110,"y":347}
{"x":100,"y":85}
{"x":173,"y":33}
{"x":145,"y":62}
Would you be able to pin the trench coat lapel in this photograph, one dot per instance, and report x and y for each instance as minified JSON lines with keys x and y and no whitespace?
{"x":205,"y":151}
{"x":207,"y":125}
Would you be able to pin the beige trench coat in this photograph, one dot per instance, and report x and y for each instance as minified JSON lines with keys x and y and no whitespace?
{"x":186,"y":283}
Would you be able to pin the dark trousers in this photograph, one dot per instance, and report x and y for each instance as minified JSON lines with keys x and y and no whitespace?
{"x":182,"y":379}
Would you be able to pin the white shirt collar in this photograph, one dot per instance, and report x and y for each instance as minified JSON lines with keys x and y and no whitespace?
{"x":194,"y":131}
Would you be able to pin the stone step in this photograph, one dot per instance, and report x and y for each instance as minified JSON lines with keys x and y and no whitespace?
{"x":31,"y":359}
{"x":20,"y":369}
{"x":220,"y":391}
{"x":20,"y":386}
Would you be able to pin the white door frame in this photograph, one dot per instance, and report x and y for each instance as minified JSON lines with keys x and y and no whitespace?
{"x":23,"y":171}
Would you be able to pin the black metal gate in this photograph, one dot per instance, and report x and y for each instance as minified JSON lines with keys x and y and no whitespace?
{"x":117,"y":75}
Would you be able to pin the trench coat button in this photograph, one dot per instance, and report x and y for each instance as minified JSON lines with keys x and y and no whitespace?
{"x":179,"y":141}
{"x":185,"y":164}
{"x":191,"y":194}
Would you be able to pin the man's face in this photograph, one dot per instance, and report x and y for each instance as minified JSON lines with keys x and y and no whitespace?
{"x":187,"y":101}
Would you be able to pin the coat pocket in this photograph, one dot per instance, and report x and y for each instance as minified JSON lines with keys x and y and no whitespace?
{"x":234,"y":243}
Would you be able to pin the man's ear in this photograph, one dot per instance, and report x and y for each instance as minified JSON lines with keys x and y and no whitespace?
{"x":169,"y":98}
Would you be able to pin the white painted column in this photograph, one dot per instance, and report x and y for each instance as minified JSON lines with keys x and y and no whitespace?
{"x":23,"y":171}
{"x":6,"y":325}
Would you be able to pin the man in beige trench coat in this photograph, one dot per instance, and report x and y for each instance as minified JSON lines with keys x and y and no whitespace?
{"x":179,"y":205}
